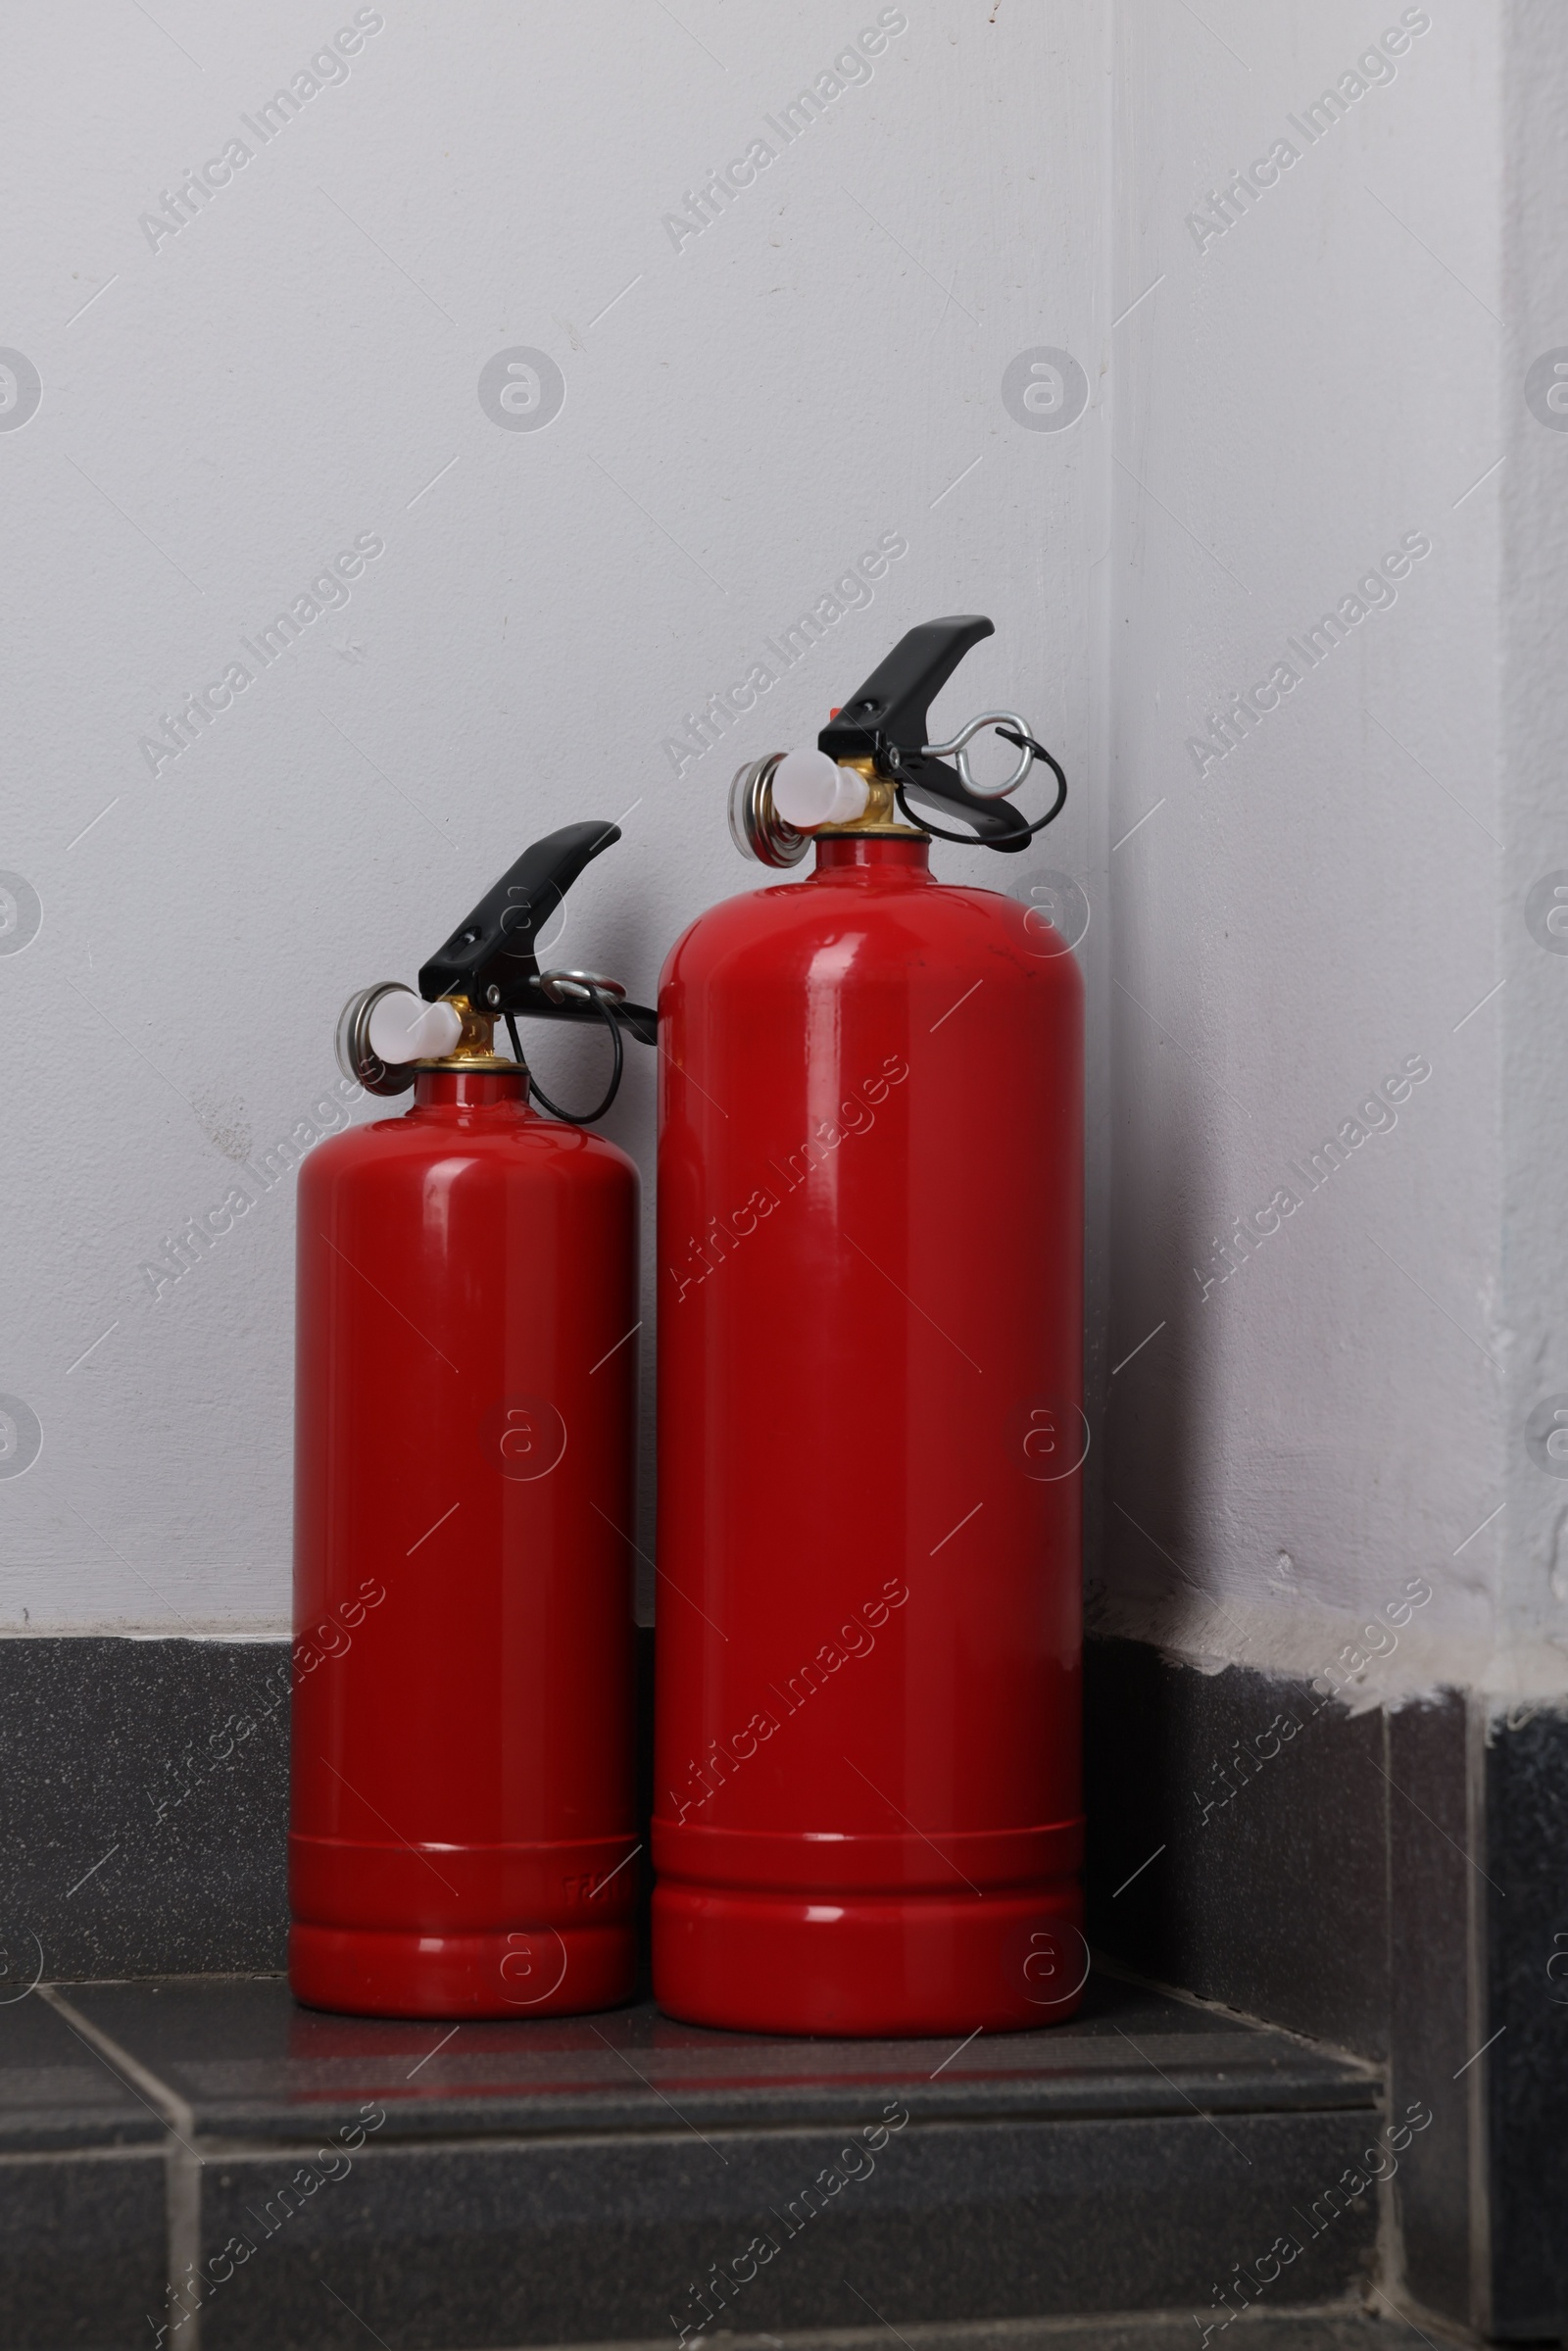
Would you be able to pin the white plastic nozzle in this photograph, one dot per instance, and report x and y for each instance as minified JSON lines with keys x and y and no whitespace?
{"x":404,"y":1028}
{"x":811,"y":789}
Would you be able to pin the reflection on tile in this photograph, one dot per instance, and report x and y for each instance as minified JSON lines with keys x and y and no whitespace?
{"x":57,"y":2091}
{"x":251,"y":2062}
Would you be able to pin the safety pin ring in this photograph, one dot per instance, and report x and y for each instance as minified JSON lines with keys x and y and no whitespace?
{"x":956,"y":750}
{"x":582,"y":986}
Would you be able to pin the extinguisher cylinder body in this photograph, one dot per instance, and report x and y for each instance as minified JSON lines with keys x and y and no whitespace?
{"x":868,"y":1771}
{"x":463,"y":1802}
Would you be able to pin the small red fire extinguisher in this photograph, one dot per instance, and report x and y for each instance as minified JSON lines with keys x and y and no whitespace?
{"x":462,"y":1795}
{"x":867,"y":1791}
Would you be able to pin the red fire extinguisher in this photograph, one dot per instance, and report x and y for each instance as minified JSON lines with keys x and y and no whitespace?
{"x":462,"y":1798}
{"x":867,"y":1793}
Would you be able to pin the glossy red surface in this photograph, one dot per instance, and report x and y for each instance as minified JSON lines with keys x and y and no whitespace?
{"x":462,"y":1782}
{"x":870,"y":1242}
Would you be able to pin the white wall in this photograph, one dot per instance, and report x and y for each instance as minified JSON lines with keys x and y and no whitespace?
{"x":747,"y":410}
{"x":1344,"y":888}
{"x":744,"y":413}
{"x":1534,"y":504}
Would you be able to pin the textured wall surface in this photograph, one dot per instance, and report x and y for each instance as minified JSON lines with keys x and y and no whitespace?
{"x":782,"y":399}
{"x":1328,"y":808}
{"x":474,"y":452}
{"x":1535,"y":703}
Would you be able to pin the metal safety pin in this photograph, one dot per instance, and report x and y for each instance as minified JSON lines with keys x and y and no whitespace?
{"x":1007,"y":725}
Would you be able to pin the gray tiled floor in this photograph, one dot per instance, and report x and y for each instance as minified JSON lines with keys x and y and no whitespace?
{"x":339,"y":2180}
{"x":251,"y":2063}
{"x":1334,"y":2330}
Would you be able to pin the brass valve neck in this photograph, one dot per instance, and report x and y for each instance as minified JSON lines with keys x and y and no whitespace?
{"x":475,"y":1048}
{"x":880,"y":813}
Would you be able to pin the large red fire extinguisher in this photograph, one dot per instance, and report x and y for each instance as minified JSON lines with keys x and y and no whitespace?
{"x":461,"y":1805}
{"x":867,"y":1794}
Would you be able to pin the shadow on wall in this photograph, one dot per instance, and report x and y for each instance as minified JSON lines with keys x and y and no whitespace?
{"x":1272,"y":1899}
{"x":1150,"y":1438}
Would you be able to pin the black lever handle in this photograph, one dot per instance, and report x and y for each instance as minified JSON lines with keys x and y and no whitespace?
{"x":896,"y":698}
{"x":888,"y":719}
{"x":492,"y":957}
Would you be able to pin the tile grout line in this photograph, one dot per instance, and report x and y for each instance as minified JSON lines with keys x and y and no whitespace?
{"x":182,"y":2164}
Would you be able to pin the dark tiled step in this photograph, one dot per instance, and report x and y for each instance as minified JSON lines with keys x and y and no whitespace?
{"x":252,"y":2064}
{"x":56,"y":2091}
{"x":1335,"y":2329}
{"x":83,"y":2188}
{"x":553,"y":2182}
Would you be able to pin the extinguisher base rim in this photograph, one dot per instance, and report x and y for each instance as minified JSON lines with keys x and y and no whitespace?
{"x":870,"y":1966}
{"x":571,"y":1971}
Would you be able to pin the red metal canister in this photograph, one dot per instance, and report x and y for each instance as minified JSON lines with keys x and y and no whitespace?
{"x":463,"y":1799}
{"x":867,"y":1791}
